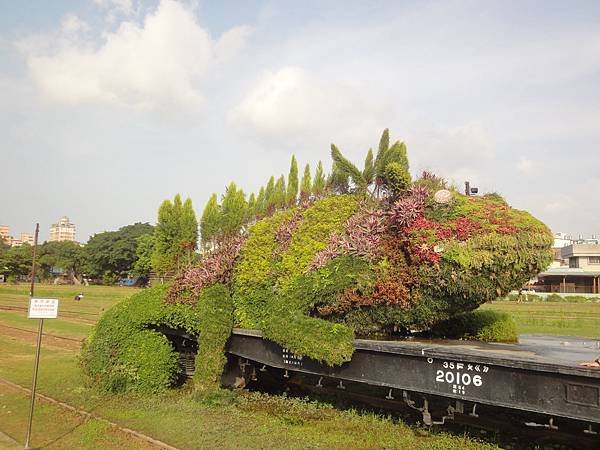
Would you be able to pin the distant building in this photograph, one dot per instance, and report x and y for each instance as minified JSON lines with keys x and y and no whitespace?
{"x":5,"y":234}
{"x":580,"y":274}
{"x":562,"y":240}
{"x":27,"y":238}
{"x":64,"y":230}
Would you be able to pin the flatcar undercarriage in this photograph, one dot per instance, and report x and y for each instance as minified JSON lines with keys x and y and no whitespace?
{"x":515,"y":394}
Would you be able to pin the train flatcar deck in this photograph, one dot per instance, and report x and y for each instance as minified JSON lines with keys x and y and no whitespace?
{"x":538,"y":383}
{"x":532,"y":376}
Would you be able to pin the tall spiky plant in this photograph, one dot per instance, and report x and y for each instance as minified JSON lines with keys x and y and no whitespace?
{"x":279,"y":193}
{"x":391,"y":167}
{"x":319,"y":182}
{"x":344,"y":166}
{"x":389,"y":170}
{"x":305,"y":185}
{"x":292,"y":187}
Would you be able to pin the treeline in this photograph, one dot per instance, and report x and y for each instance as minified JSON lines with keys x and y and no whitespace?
{"x":107,"y":257}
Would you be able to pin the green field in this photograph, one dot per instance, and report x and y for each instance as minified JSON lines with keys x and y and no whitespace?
{"x":238,"y":420}
{"x":553,"y":318}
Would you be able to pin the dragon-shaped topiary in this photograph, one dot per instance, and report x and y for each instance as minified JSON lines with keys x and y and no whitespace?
{"x":312,"y":277}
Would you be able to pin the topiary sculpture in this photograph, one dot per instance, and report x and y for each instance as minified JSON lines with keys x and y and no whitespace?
{"x":312,"y":277}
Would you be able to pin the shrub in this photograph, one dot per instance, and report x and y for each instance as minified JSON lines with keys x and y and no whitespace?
{"x":488,"y":326}
{"x":124,"y":353}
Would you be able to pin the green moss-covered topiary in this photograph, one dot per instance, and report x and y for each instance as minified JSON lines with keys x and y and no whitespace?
{"x":389,"y":257}
{"x":125,"y":353}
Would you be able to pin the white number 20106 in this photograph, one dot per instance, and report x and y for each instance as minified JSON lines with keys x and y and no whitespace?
{"x":458,"y":378}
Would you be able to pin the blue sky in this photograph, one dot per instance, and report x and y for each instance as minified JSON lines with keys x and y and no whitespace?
{"x":110,"y":106}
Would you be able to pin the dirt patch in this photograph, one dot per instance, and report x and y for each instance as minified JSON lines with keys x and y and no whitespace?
{"x":47,"y":339}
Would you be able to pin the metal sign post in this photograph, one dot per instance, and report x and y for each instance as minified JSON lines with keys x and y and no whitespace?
{"x":39,"y":308}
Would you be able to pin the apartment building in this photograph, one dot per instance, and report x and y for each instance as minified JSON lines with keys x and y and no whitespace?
{"x":64,"y":230}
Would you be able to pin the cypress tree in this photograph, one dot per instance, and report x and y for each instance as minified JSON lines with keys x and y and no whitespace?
{"x":319,"y":182}
{"x":369,"y":171}
{"x":189,"y":233}
{"x":233,"y":210}
{"x":338,"y":181}
{"x":292,"y":187}
{"x":250,"y":210}
{"x":176,"y":236}
{"x":279,"y":193}
{"x":269,"y":200}
{"x":346,"y":169}
{"x":209,"y":223}
{"x":259,"y":207}
{"x":305,"y":185}
{"x":384,"y":145}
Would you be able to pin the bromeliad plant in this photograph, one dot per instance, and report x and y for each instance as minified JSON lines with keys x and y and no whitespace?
{"x":374,"y":255}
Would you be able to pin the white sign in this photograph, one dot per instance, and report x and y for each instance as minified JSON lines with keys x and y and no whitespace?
{"x":43,"y":308}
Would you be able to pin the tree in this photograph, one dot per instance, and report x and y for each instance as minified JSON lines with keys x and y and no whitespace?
{"x":64,"y":257}
{"x":176,"y":236}
{"x":233,"y":210}
{"x":260,"y":207}
{"x":4,"y":248}
{"x":143,"y":264}
{"x":391,"y":166}
{"x":384,"y":145}
{"x":279,"y":193}
{"x":16,"y":261}
{"x":269,"y":199}
{"x":338,"y":180}
{"x":347,"y":169}
{"x":305,"y":185}
{"x":369,"y":170}
{"x":389,"y":171}
{"x":319,"y":182}
{"x":111,"y":255}
{"x":292,"y":186}
{"x":210,"y":221}
{"x":251,"y":207}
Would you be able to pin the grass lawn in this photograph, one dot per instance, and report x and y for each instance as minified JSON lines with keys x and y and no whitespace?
{"x":70,"y":431}
{"x":553,"y":318}
{"x":246,"y":420}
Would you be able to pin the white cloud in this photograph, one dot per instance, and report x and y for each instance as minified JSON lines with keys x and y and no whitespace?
{"x":524,"y":165}
{"x":282,"y":101}
{"x":73,"y":24}
{"x":156,"y":64}
{"x":294,"y":106}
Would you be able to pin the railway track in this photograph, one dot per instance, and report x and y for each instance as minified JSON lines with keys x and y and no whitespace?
{"x":54,"y":336}
{"x":62,"y":313}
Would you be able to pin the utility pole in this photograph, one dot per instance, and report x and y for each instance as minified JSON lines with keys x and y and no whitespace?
{"x":39,"y":341}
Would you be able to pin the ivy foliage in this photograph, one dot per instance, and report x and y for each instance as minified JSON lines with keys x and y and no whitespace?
{"x":125,"y":353}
